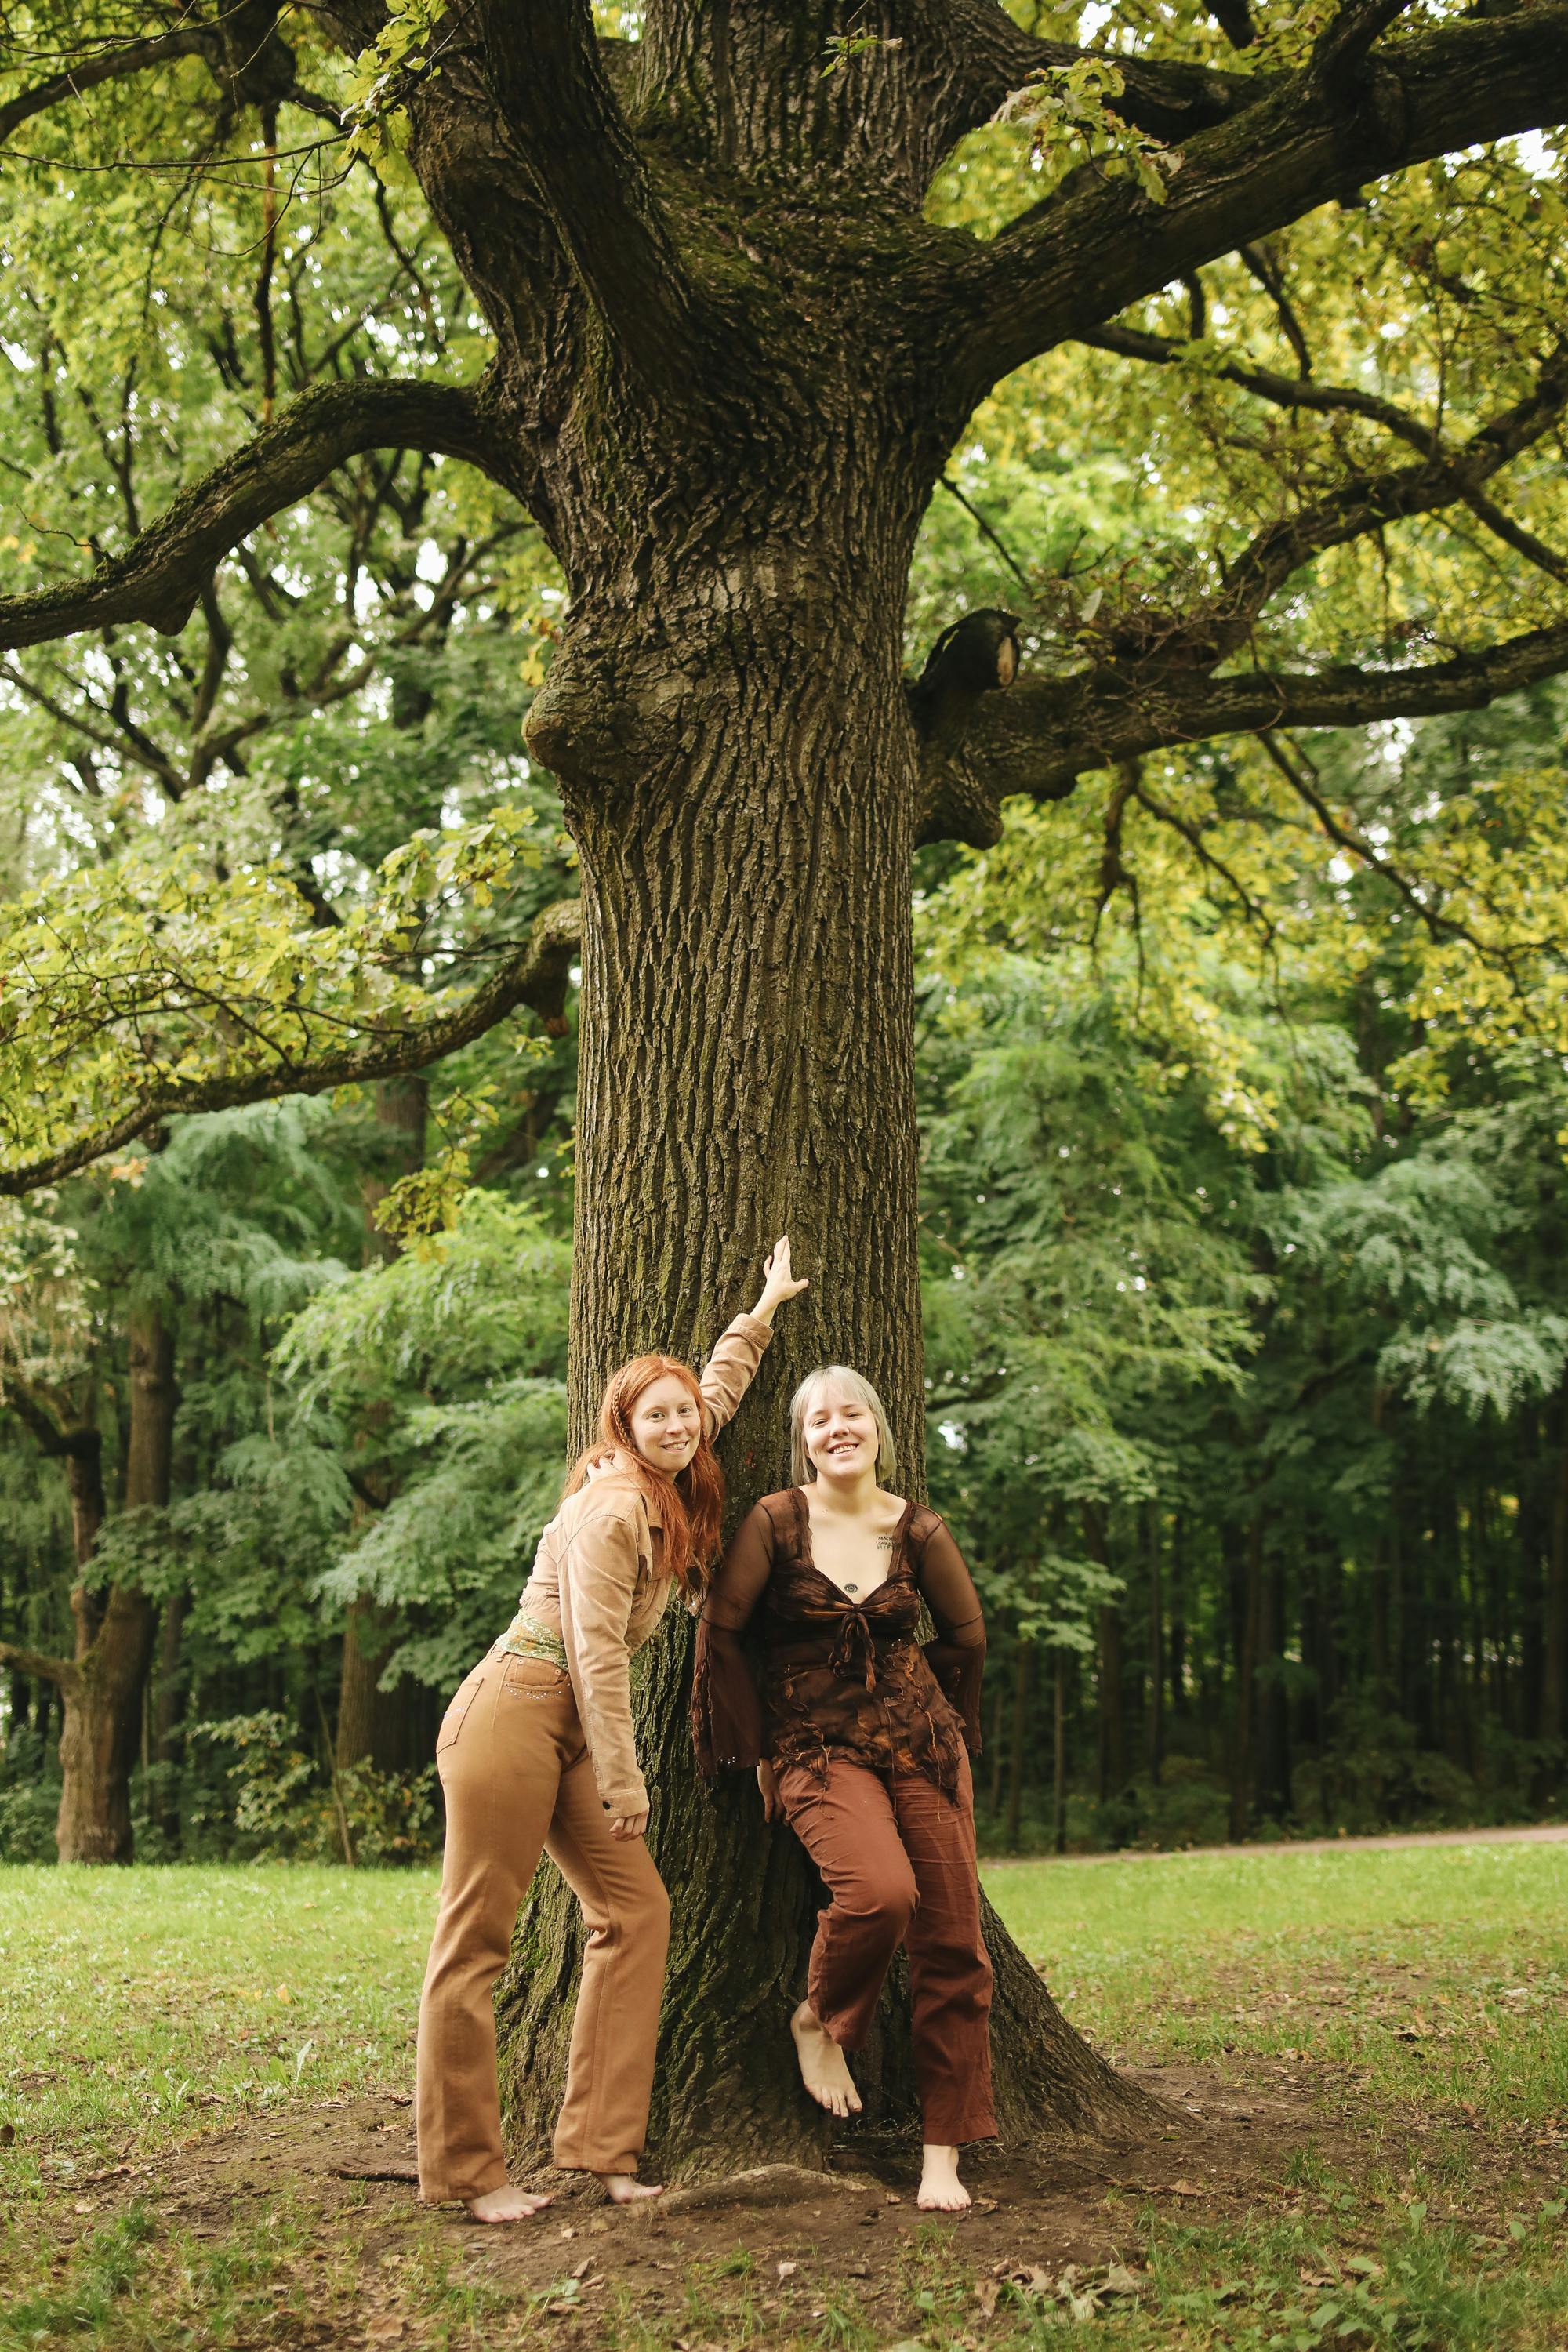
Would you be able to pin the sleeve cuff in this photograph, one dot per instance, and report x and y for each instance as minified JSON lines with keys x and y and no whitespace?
{"x":619,"y":1802}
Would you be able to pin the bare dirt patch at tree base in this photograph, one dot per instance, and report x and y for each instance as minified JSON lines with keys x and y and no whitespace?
{"x":796,"y":2244}
{"x":350,"y":2167}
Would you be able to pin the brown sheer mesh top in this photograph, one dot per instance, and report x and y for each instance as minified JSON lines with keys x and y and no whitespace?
{"x":838,"y":1677}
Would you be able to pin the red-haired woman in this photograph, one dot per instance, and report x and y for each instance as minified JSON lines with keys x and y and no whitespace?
{"x":536,"y":1753}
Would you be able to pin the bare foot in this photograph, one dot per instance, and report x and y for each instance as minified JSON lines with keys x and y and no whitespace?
{"x":822,"y":2068}
{"x":506,"y":2204}
{"x":941,"y":2189}
{"x":626,"y":2189}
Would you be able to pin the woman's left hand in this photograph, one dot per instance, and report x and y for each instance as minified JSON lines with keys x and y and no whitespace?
{"x":780,"y":1282}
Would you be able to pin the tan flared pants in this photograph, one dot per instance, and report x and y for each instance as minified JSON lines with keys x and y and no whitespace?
{"x":516,"y":1779}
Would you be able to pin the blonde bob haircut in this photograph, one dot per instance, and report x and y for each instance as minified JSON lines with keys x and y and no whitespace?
{"x":858,"y":1391}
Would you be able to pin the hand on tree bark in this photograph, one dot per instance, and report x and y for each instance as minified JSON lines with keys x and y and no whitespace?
{"x":779,"y":1282}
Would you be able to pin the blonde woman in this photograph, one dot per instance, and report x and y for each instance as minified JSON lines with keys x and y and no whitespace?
{"x":536,"y":1754}
{"x":861,"y":1740}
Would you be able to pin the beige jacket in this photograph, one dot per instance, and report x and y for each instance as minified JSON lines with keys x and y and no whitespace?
{"x":598,"y":1578}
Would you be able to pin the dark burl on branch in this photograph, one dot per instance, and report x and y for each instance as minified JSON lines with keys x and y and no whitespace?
{"x":973,"y":657}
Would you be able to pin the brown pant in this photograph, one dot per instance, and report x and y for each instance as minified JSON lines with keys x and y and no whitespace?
{"x":516,"y":1777}
{"x":899,"y":1859}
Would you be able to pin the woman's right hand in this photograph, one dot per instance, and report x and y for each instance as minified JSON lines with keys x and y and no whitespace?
{"x":778,"y":1282}
{"x":630,"y":1825}
{"x":767,"y":1781}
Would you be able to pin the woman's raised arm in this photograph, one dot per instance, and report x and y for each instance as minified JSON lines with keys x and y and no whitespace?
{"x":731,"y":1368}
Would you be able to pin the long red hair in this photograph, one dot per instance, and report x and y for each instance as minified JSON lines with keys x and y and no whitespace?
{"x":692,"y":1504}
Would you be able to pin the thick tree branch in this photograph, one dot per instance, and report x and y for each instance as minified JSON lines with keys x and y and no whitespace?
{"x":1043,"y":736}
{"x":61,"y":1671}
{"x":974,"y":657}
{"x":91,"y":72}
{"x":1076,"y":261}
{"x":542,"y":59}
{"x":1343,"y":45}
{"x":161,"y":576}
{"x":246,"y":55}
{"x":992,"y":56}
{"x":534,"y":975}
{"x":1233,"y":18}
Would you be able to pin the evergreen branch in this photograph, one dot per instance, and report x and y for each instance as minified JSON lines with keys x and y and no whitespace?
{"x":161,"y":576}
{"x":1102,"y":243}
{"x":534,"y":975}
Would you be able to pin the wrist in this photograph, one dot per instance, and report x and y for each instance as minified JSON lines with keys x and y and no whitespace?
{"x":764,"y":1309}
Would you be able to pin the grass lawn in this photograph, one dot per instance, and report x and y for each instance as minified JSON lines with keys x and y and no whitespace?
{"x":1406,"y":2006}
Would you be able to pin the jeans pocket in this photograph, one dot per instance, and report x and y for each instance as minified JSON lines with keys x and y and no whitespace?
{"x":452,"y":1721}
{"x":534,"y":1678}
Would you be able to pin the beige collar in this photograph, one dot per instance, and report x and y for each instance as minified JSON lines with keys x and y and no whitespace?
{"x":626,"y":1464}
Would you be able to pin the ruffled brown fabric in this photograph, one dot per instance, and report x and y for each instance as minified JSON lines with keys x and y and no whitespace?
{"x":837,"y":1677}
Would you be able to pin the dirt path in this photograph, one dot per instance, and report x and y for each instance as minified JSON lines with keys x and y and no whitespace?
{"x":1535,"y":1833}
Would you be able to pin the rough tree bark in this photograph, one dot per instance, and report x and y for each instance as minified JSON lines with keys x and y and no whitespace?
{"x":731,"y":358}
{"x":100,"y":1737}
{"x":100,"y":1685}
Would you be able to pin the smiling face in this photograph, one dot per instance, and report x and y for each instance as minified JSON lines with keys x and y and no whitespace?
{"x":842,"y":1439}
{"x":666,"y":1423}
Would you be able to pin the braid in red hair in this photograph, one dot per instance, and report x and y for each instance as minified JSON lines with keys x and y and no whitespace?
{"x":692,"y":1504}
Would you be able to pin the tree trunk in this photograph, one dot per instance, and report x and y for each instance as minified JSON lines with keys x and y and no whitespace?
{"x":739,"y":773}
{"x":1113,"y":1750}
{"x":103,"y":1699}
{"x":168,"y":1745}
{"x":1059,"y":1752}
{"x":994,"y":1805}
{"x":367,"y":1728}
{"x":1155,"y":1717}
{"x":1273,"y":1699}
{"x":1178,"y":1644}
{"x":1023,"y":1675}
{"x":1242,"y":1733}
{"x":1554,"y":1614}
